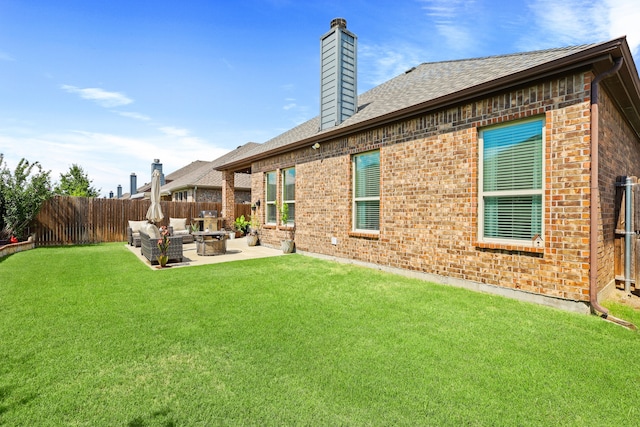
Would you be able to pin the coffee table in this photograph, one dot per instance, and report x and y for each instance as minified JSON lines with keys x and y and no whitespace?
{"x":210,"y":242}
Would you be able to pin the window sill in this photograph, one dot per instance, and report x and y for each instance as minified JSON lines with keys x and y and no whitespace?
{"x":363,"y":235}
{"x":507,"y":247}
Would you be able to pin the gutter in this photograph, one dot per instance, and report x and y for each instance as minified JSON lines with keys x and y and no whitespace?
{"x":595,"y":195}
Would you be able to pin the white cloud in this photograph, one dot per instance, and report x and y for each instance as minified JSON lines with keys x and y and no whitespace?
{"x":133,"y":115}
{"x":289,"y":106}
{"x":573,"y":22}
{"x":99,"y":96}
{"x":107,"y":159}
{"x":379,"y":63}
{"x":442,"y":10}
{"x":624,"y":19}
{"x":466,"y":27}
{"x":455,"y":22}
{"x":173,"y":131}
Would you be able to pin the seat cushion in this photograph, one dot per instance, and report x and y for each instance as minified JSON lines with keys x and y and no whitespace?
{"x":178,"y":224}
{"x":135,"y":225}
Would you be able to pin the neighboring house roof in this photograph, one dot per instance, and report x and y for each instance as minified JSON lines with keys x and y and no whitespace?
{"x":185,"y":170}
{"x":202,"y":174}
{"x":238,"y":153}
{"x":435,"y":85}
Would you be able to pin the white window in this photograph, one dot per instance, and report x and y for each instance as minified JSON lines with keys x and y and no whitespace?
{"x":289,"y":193}
{"x":511,"y":183}
{"x":270,"y":197}
{"x":366,"y":192}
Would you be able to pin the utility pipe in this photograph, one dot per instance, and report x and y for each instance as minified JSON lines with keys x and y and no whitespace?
{"x":628,"y":234}
{"x":593,"y":214}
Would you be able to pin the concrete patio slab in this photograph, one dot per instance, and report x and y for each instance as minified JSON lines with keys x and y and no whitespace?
{"x":237,"y":249}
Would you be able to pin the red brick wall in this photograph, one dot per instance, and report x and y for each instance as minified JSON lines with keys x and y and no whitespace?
{"x":619,"y":155}
{"x":429,"y":200}
{"x":240,"y":196}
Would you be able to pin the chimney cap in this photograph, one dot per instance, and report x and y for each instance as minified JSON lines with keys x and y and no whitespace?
{"x":339,"y":22}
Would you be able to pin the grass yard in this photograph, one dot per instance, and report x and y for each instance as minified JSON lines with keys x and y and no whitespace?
{"x":91,"y":337}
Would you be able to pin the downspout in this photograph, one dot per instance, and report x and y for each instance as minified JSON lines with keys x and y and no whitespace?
{"x":593,"y":214}
{"x":628,"y":233}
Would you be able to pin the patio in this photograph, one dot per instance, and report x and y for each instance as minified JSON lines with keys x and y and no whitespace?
{"x":237,"y":249}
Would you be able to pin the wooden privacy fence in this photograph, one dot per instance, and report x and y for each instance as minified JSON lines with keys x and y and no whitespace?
{"x":65,"y":220}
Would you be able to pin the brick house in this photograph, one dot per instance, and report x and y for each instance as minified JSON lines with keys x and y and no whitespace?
{"x":496,"y":174}
{"x":200,"y":181}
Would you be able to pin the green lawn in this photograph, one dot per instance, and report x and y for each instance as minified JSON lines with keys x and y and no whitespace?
{"x":91,"y":337}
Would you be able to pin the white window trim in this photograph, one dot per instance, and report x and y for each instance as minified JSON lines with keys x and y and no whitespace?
{"x":360,"y":199}
{"x":482,"y":194}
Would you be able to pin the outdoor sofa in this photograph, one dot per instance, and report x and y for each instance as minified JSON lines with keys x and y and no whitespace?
{"x":149,"y":237}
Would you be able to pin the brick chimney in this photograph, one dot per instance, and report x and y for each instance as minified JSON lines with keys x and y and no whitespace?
{"x":133,"y":182}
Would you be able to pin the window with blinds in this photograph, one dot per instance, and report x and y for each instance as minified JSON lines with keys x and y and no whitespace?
{"x":511,"y":182}
{"x":289,"y":193}
{"x":366,"y":191}
{"x":270,"y":186}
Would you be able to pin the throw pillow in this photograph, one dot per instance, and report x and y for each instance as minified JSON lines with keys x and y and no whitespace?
{"x":178,"y":224}
{"x":153,"y":231}
{"x":136,"y":225}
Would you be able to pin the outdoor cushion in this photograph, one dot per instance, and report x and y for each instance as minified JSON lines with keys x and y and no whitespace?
{"x":178,"y":224}
{"x":152,"y":231}
{"x":135,"y":225}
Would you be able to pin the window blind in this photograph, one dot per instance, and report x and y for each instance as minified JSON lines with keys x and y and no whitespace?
{"x":517,"y":218}
{"x":512,"y":181}
{"x":289,"y":187}
{"x":513,"y":157}
{"x":368,"y":175}
{"x":367,"y":191}
{"x":289,"y":192}
{"x":270,"y":196}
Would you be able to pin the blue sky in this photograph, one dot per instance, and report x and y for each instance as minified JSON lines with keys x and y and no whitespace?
{"x":112,"y":85}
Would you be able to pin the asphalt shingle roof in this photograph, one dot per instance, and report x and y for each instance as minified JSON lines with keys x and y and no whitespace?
{"x":203,"y":174}
{"x":423,"y":83}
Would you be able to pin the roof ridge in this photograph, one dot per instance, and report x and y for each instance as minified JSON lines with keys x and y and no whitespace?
{"x":514,"y":54}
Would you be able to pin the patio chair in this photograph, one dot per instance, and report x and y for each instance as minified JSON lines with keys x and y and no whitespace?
{"x":178,"y":227}
{"x":133,"y":232}
{"x":149,"y":237}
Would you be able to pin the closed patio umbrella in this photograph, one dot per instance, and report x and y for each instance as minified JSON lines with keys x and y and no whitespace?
{"x":154,"y":214}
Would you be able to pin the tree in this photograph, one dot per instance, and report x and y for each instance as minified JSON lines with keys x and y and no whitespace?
{"x":4,"y":234}
{"x":76,"y":183}
{"x":21,"y":195}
